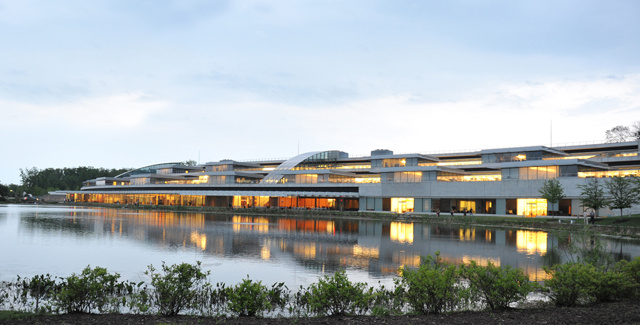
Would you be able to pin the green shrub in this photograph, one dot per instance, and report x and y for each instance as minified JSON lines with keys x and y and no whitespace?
{"x":631,"y":268}
{"x":570,"y":283}
{"x":336,"y":295}
{"x":279,"y":296}
{"x":386,"y":302}
{"x":33,"y":290}
{"x":497,"y":286}
{"x":612,"y":285}
{"x":177,"y":287}
{"x":214,"y":300}
{"x":432,"y":288}
{"x":138,"y":298}
{"x":249,"y":298}
{"x":94,"y":289}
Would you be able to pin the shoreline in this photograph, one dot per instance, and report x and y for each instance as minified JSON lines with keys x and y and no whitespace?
{"x":542,"y":223}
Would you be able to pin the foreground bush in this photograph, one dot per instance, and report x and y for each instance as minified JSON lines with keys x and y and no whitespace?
{"x":570,"y":283}
{"x":250,"y":298}
{"x":631,"y":268}
{"x":496,"y":286}
{"x":177,"y":287}
{"x":432,"y":288}
{"x":92,"y":290}
{"x":612,"y":285}
{"x":336,"y":295}
{"x":31,"y":291}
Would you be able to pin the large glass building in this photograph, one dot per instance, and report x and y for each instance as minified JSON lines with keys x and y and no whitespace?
{"x":492,"y":181}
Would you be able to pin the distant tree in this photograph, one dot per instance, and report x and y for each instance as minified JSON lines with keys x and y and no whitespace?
{"x":4,"y":191}
{"x":618,"y":133}
{"x":552,"y":191}
{"x":623,"y":192}
{"x":635,"y":130}
{"x":190,"y":162}
{"x":593,"y":195}
{"x":40,"y":181}
{"x":28,"y":177}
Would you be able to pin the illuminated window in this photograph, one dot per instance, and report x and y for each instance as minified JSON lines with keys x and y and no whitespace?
{"x":402,"y":205}
{"x":407,"y":177}
{"x":532,"y":207}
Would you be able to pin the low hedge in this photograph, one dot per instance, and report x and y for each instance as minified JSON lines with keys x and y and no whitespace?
{"x":434,"y":287}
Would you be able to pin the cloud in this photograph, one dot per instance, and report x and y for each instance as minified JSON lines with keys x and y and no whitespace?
{"x":509,"y":115}
{"x":119,"y":111}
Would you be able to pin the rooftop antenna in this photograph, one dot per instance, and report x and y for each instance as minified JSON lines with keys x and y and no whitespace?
{"x":198,"y":156}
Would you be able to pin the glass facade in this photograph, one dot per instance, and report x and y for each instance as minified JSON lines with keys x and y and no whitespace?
{"x":532,"y":207}
{"x":411,"y":180}
{"x":402,"y":205}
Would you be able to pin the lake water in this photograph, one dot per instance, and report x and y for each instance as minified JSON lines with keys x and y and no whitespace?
{"x":61,"y":240}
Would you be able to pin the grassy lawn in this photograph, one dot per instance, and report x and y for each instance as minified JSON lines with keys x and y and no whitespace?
{"x":632,"y":221}
{"x":626,"y":222}
{"x":8,"y":315}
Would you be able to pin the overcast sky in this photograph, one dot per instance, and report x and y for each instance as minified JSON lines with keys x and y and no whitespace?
{"x":130,"y":83}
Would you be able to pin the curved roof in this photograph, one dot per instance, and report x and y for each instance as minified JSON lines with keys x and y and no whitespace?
{"x":151,"y":169}
{"x":277,"y":174}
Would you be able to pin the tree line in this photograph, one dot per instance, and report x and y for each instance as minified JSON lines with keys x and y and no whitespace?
{"x":615,"y":192}
{"x":40,"y":181}
{"x":622,"y":133}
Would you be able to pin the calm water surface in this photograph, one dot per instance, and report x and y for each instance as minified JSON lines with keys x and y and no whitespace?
{"x":62,"y":240}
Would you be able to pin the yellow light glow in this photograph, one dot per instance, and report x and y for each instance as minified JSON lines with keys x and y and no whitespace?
{"x":468,"y":234}
{"x":403,"y":258}
{"x":367,"y":252}
{"x":401,"y":232}
{"x":200,"y":240}
{"x":402,"y":205}
{"x":265,"y":253}
{"x":480,"y":260}
{"x":521,"y":157}
{"x":532,"y":207}
{"x":306,"y":250}
{"x":368,"y":180}
{"x":531,"y":242}
{"x":619,"y":173}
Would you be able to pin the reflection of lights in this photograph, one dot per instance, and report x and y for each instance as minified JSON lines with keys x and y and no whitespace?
{"x":401,"y":232}
{"x":488,"y":235}
{"x":408,"y":259}
{"x":483,"y":261}
{"x":331,"y":227}
{"x":259,"y":224}
{"x":306,"y":250}
{"x":531,"y":242}
{"x":467,"y":234}
{"x":200,"y":240}
{"x":313,"y":226}
{"x":368,"y":252}
{"x":265,"y":252}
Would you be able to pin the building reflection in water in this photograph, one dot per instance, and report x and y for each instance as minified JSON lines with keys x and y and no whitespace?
{"x":378,"y":247}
